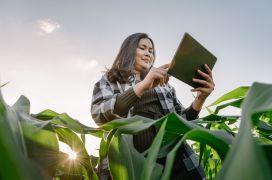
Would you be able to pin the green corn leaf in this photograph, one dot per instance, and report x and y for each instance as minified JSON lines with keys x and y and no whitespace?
{"x":66,"y":121}
{"x":83,"y":159}
{"x":247,"y":160}
{"x":42,"y":147}
{"x":211,"y":138}
{"x":14,"y":162}
{"x":234,"y":94}
{"x":126,"y":121}
{"x":2,"y":85}
{"x":125,"y":161}
{"x":22,"y":105}
{"x":45,"y":115}
{"x":264,"y":127}
{"x":217,"y":119}
{"x":150,"y":162}
{"x":236,"y":103}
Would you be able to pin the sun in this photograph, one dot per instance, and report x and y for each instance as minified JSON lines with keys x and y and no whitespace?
{"x":72,"y":155}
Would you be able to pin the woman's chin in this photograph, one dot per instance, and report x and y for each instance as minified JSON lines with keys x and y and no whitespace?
{"x":143,"y":67}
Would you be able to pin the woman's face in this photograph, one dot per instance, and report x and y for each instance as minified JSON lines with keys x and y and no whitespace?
{"x":144,"y":55}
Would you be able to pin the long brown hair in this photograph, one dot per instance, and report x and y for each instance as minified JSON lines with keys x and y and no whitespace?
{"x":123,"y":65}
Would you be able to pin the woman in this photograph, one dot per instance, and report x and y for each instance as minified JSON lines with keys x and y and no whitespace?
{"x":132,"y":86}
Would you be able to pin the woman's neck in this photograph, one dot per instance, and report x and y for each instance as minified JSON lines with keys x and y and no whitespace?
{"x":138,"y":75}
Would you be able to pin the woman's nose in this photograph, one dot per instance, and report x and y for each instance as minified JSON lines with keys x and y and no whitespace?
{"x":147,"y":53}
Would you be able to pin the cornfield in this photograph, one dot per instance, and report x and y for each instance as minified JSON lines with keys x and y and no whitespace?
{"x":29,"y":143}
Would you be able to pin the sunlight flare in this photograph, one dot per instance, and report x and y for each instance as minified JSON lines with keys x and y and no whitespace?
{"x":66,"y":149}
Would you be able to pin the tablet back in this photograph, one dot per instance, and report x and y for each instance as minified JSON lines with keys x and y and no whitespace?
{"x":190,"y":56}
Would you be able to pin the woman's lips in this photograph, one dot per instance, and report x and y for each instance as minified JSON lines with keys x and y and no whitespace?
{"x":146,"y":61}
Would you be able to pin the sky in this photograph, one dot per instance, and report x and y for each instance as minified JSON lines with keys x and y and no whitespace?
{"x":54,"y":51}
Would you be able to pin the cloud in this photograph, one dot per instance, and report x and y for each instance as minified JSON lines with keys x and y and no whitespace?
{"x":48,"y":26}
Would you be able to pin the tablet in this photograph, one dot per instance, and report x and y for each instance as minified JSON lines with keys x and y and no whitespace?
{"x":189,"y":57}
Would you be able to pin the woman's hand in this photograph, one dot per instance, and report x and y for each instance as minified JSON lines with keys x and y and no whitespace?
{"x":154,"y":77}
{"x":206,"y":88}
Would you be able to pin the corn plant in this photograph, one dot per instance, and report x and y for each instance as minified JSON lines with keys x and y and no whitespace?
{"x":29,"y":143}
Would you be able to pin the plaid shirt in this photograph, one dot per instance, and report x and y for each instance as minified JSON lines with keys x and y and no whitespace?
{"x":103,"y":101}
{"x":104,"y":97}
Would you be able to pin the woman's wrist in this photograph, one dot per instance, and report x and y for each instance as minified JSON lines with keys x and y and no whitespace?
{"x":139,"y":89}
{"x":198,"y":103}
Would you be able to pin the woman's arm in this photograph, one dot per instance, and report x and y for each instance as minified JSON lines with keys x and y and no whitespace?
{"x":103,"y":101}
{"x":109,"y":104}
{"x":125,"y":101}
{"x":154,"y":77}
